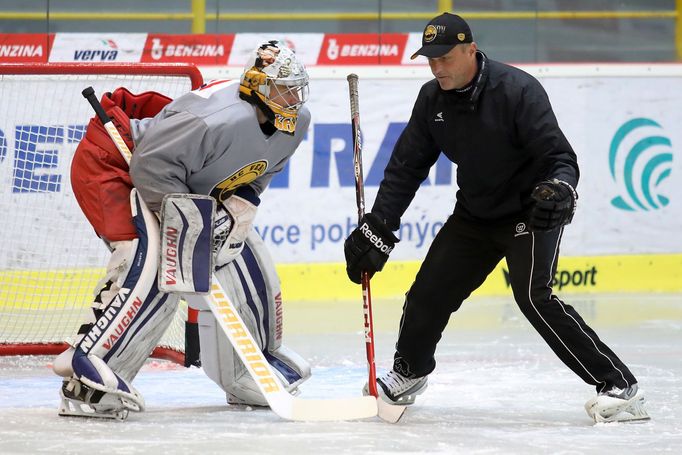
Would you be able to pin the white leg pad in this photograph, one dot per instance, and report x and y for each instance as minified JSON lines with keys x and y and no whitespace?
{"x":133,"y":315}
{"x":253,"y":286}
{"x":105,"y":291}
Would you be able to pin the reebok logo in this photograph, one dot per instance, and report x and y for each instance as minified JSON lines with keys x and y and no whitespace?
{"x":439,"y":117}
{"x":375,"y":239}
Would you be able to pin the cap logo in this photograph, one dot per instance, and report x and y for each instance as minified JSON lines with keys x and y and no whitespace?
{"x":430,"y":33}
{"x":461,"y":36}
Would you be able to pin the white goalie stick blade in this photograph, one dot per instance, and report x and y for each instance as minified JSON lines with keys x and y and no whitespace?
{"x":320,"y":410}
{"x":390,"y":413}
{"x":280,"y":401}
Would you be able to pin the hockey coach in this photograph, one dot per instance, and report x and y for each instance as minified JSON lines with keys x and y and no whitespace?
{"x":517,"y":175}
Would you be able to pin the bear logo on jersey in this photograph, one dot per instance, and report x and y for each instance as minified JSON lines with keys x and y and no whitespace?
{"x":243,"y":176}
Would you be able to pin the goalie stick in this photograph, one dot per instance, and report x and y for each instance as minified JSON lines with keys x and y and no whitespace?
{"x":386,"y":411}
{"x":280,"y":401}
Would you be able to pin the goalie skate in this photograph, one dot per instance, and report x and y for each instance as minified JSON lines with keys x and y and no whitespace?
{"x":79,"y":400}
{"x":618,"y":405}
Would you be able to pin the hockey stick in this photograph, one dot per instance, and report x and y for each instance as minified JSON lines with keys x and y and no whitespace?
{"x":360,"y":199}
{"x":280,"y":401}
{"x":388,"y":412}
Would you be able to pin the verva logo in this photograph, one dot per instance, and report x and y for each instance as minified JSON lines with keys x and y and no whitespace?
{"x":362,"y":49}
{"x":97,"y":47}
{"x":25,"y":48}
{"x":109,"y":52}
{"x":198,"y":49}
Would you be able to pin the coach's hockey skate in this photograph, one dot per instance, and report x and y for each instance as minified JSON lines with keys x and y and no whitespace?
{"x":618,"y":405}
{"x":79,"y":400}
{"x":394,"y":388}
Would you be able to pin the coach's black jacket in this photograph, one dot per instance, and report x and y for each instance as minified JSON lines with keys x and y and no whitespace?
{"x":502,"y":134}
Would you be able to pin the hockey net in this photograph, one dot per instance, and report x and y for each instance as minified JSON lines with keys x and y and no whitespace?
{"x":50,"y":258}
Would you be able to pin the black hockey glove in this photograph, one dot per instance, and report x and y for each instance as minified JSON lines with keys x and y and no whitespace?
{"x":367,"y":247}
{"x":555,"y":203}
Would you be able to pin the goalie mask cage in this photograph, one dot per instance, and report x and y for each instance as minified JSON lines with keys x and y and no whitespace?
{"x":50,"y":258}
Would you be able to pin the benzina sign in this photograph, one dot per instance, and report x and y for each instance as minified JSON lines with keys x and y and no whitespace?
{"x":25,"y":48}
{"x":197,"y":49}
{"x":362,"y":49}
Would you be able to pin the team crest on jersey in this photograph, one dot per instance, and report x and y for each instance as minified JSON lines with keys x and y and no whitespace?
{"x":243,"y":176}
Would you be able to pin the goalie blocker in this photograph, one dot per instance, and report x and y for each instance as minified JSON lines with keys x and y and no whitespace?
{"x":186,"y":263}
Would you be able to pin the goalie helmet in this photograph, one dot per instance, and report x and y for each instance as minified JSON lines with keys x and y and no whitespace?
{"x":275,"y":81}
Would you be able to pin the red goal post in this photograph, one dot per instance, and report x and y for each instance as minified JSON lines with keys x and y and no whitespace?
{"x":50,"y":258}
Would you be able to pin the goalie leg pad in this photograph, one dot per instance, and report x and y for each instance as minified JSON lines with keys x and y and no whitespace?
{"x":110,"y":354}
{"x":253,"y":286}
{"x":105,"y":291}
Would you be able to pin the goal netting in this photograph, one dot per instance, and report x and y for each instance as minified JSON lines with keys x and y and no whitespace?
{"x":50,"y":258}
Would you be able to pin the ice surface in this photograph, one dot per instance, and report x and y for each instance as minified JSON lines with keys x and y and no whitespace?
{"x":497,"y":389}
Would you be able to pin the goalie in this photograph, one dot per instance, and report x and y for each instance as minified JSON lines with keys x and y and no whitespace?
{"x":227,"y":140}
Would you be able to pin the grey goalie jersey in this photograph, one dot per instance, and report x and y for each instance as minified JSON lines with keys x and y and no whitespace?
{"x":208,"y":141}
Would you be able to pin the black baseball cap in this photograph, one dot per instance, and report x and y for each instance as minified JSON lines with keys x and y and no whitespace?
{"x":442,"y":34}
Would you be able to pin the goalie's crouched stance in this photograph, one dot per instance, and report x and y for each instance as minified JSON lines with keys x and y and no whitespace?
{"x":252,"y":284}
{"x":130,"y":313}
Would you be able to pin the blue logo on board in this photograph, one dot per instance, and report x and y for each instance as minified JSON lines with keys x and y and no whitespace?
{"x":640,"y":160}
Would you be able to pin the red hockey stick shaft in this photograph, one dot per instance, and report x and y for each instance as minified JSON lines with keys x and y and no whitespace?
{"x":360,"y":199}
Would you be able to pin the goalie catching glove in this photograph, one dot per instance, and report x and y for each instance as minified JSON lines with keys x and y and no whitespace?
{"x":233,"y":223}
{"x":554,"y":205}
{"x":367,"y":247}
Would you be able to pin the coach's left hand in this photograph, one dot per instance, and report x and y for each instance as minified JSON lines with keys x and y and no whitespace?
{"x":367,"y":247}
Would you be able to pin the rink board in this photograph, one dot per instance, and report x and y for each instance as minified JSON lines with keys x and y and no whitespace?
{"x":328,"y":281}
{"x":623,"y":274}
